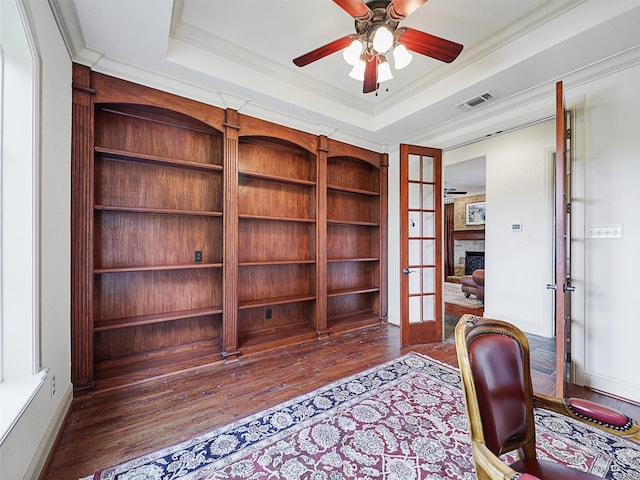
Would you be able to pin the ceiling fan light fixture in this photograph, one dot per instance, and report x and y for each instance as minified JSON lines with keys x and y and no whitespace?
{"x":382,"y":39}
{"x":357,"y":72}
{"x":351,"y":54}
{"x":401,"y":56}
{"x":384,"y":71}
{"x":377,"y":36}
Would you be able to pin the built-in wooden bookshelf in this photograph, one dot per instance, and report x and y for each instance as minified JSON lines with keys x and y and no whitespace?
{"x":200,"y":234}
{"x":158,"y":204}
{"x":276,"y":239}
{"x":356,"y":232}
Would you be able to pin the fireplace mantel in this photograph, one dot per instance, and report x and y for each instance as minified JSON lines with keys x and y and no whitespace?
{"x":468,"y":234}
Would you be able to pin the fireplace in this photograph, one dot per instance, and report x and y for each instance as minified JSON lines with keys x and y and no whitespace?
{"x":473,"y":261}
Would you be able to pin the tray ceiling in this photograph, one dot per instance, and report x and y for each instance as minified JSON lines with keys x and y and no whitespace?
{"x":238,"y":55}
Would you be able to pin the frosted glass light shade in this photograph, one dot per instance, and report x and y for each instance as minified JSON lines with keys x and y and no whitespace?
{"x":357,"y":72}
{"x":384,"y":71}
{"x":401,"y":57}
{"x":382,"y":40}
{"x":351,"y":54}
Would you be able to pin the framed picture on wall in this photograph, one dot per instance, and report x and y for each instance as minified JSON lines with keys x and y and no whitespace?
{"x":475,"y":213}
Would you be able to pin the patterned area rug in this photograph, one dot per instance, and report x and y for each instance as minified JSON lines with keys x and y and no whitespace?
{"x":453,"y":294}
{"x":403,"y":420}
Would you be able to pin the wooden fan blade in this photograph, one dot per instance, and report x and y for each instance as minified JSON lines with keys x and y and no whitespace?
{"x":355,"y":8}
{"x":404,"y":8}
{"x":429,"y":45}
{"x":370,"y":74}
{"x":323,"y":51}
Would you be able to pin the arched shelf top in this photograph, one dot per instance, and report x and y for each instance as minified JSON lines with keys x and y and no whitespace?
{"x":276,"y":143}
{"x":255,"y":130}
{"x":160,"y":115}
{"x":339,"y":151}
{"x":113,"y":91}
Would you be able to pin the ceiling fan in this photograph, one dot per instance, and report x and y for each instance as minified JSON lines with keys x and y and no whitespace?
{"x":453,"y":191}
{"x":377,"y":33}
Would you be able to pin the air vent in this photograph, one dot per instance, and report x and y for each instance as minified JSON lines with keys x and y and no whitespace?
{"x":475,"y":101}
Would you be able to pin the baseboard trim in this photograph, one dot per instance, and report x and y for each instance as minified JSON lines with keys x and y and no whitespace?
{"x":44,"y":454}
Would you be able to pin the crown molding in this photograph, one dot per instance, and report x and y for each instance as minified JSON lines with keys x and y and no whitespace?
{"x":524,"y":109}
{"x":307,"y":107}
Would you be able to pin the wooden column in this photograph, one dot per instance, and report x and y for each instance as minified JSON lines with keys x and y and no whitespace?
{"x":230,"y":221}
{"x":321,"y":237}
{"x":82,"y":230}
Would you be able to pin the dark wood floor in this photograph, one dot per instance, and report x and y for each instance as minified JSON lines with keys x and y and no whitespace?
{"x":106,"y":428}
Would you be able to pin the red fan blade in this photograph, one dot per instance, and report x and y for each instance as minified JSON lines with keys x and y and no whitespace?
{"x":429,"y":45}
{"x":404,"y":8}
{"x":370,"y":74}
{"x":323,"y":51}
{"x":355,"y":8}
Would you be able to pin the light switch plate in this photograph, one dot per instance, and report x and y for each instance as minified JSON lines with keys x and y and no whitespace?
{"x":605,"y":231}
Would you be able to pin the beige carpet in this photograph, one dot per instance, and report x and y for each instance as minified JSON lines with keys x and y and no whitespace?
{"x":453,"y":294}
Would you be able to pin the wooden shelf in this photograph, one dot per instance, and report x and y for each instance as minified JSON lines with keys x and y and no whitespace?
{"x":265,"y":302}
{"x":276,"y":178}
{"x":351,"y":291}
{"x":103,"y":325}
{"x":271,"y":338}
{"x":276,"y":219}
{"x":134,"y":369}
{"x":149,"y":268}
{"x":352,"y":222}
{"x":351,"y":320}
{"x":123,"y":155}
{"x":358,"y":191}
{"x":275,"y":263}
{"x":358,"y":259}
{"x":160,"y":211}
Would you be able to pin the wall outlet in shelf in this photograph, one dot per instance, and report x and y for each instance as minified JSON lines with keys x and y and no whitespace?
{"x":268,"y":312}
{"x":197,"y":256}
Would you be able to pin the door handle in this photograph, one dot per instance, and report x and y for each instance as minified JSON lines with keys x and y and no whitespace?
{"x":551,"y":286}
{"x":569,"y":288}
{"x":406,"y":271}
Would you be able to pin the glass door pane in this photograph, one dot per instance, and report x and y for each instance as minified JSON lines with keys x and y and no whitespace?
{"x":422,"y":241}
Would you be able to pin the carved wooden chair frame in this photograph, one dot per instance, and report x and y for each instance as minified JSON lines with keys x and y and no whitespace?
{"x":488,"y":464}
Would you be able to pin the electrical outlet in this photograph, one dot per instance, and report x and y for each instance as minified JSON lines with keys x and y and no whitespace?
{"x":197,"y":256}
{"x":268,"y":313}
{"x":52,"y":385}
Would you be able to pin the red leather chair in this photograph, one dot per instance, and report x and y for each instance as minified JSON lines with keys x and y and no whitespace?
{"x":494,"y":364}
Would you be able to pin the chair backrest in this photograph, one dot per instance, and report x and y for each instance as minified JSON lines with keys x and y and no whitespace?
{"x":494,"y":364}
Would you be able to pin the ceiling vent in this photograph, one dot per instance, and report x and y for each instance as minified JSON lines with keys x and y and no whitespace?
{"x":475,"y":101}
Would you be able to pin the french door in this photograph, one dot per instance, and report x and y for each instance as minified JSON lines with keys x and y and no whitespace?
{"x":562,"y":286}
{"x":421,"y":249}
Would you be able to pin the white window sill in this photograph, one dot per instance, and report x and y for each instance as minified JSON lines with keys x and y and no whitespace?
{"x":15,"y":396}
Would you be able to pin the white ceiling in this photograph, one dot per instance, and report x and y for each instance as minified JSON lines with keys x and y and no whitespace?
{"x":238,"y":54}
{"x":468,"y":176}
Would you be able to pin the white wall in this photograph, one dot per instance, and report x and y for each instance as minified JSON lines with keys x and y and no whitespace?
{"x":393,"y":180}
{"x":606,"y":177}
{"x":518,"y":265}
{"x":24,"y":450}
{"x":606,"y":324}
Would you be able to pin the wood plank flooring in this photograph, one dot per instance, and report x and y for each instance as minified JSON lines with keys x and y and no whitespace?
{"x":105,"y":428}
